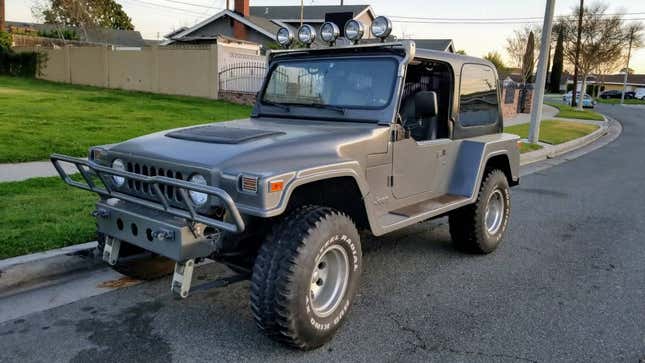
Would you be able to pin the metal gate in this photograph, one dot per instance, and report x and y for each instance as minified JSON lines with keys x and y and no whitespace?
{"x":245,"y":77}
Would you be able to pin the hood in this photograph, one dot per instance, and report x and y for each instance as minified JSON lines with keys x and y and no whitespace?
{"x":260,"y":145}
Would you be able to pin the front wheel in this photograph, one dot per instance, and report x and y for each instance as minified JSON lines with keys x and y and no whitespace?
{"x":306,"y":276}
{"x":480,"y":227}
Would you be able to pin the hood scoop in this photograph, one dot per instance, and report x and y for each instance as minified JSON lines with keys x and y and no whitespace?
{"x":215,"y":134}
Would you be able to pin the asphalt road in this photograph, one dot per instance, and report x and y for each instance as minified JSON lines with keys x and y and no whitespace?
{"x":567,"y":285}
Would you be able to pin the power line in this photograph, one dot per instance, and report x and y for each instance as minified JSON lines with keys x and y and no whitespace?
{"x":498,"y":19}
{"x":158,"y":7}
{"x":195,"y":5}
{"x":481,"y":22}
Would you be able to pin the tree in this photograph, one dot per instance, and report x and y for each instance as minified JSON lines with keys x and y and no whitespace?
{"x":528,"y":61}
{"x":558,"y":63}
{"x":85,"y":14}
{"x":461,"y":51}
{"x":496,"y":58}
{"x":516,"y":44}
{"x":602,"y":40}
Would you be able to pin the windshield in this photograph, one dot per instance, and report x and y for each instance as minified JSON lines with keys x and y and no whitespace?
{"x":361,"y":83}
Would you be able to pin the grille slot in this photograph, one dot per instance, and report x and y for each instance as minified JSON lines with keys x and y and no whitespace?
{"x":249,"y":184}
{"x":137,"y":187}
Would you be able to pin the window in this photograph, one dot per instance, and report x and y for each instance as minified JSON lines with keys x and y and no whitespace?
{"x":426,"y":76}
{"x":478,"y":96}
{"x":348,"y":83}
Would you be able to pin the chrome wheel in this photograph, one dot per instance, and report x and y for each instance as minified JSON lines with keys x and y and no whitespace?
{"x":329,"y":280}
{"x":494,"y":212}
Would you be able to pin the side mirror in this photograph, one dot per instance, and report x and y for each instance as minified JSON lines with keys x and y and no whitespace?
{"x":425,"y":104}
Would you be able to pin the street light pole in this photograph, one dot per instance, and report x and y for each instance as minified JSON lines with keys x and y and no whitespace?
{"x":629,"y":54}
{"x":1,"y":15}
{"x":540,"y":79}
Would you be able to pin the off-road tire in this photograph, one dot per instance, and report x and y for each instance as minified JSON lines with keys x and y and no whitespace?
{"x":146,"y":268}
{"x":282,"y":276}
{"x":468,"y":225}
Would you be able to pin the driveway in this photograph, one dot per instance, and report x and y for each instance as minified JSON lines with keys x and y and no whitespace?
{"x":567,"y":285}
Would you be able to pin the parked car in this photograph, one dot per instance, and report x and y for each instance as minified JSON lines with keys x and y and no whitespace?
{"x":342,"y":139}
{"x":615,"y":94}
{"x":587,"y":102}
{"x":640,"y":94}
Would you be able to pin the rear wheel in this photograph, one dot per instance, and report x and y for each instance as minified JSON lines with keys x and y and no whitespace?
{"x":148,"y":266}
{"x":480,"y":227}
{"x":306,"y":276}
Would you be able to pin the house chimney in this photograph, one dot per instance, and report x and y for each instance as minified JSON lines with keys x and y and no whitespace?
{"x":242,"y":7}
{"x":239,"y":29}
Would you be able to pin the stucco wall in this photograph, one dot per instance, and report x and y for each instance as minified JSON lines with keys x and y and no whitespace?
{"x":190,"y":70}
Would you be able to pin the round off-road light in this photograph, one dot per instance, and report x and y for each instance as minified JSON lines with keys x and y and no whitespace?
{"x":329,"y":32}
{"x":197,"y":197}
{"x":119,"y":165}
{"x":306,"y":34}
{"x":354,"y":30}
{"x":284,"y":37}
{"x":381,"y":27}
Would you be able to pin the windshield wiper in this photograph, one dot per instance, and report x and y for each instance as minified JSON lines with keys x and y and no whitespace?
{"x":324,"y":106}
{"x":278,"y":105}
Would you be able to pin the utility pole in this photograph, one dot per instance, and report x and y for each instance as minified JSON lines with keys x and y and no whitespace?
{"x":1,"y":15}
{"x":575,"y":72}
{"x":540,"y":81}
{"x":629,"y":54}
{"x":302,"y":11}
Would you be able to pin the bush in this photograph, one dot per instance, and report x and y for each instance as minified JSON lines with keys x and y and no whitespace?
{"x":5,"y":40}
{"x":25,"y":64}
{"x":67,"y":34}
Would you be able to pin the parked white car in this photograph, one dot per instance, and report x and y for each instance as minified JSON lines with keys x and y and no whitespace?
{"x":640,"y":94}
{"x":587,"y":102}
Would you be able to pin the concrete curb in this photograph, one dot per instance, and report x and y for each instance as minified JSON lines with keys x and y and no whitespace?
{"x":557,"y":150}
{"x":22,"y":272}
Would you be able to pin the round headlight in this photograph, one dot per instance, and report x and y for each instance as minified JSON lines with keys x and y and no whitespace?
{"x":381,"y":27}
{"x":198,"y":198}
{"x":284,"y":37}
{"x":306,"y":34}
{"x":329,"y":32}
{"x":119,"y":165}
{"x":354,"y":30}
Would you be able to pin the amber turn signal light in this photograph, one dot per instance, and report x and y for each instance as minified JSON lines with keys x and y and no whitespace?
{"x":276,"y":186}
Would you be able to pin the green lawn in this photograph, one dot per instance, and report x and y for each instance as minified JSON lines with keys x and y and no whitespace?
{"x":615,"y":101}
{"x":43,"y":213}
{"x":567,"y":111}
{"x":526,"y":147}
{"x":554,"y":132}
{"x":38,"y":118}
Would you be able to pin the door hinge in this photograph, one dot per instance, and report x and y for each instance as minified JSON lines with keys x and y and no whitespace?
{"x":390,"y":181}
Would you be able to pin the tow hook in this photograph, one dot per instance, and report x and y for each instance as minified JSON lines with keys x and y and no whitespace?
{"x":182,"y":278}
{"x":111,"y":250}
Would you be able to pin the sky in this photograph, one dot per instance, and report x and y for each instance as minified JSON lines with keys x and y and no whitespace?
{"x":154,"y":18}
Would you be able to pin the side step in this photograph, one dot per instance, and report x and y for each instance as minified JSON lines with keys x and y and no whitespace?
{"x":429,"y":205}
{"x":419,"y":212}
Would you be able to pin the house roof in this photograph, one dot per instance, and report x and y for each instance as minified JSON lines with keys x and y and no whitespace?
{"x":124,"y":38}
{"x":445,"y":45}
{"x":632,"y":79}
{"x":311,"y":13}
{"x":251,"y":21}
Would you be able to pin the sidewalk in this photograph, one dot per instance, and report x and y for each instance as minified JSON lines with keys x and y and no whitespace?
{"x":548,"y":112}
{"x":34,"y":169}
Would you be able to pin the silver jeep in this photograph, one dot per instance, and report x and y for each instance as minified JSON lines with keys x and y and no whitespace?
{"x":361,"y":137}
